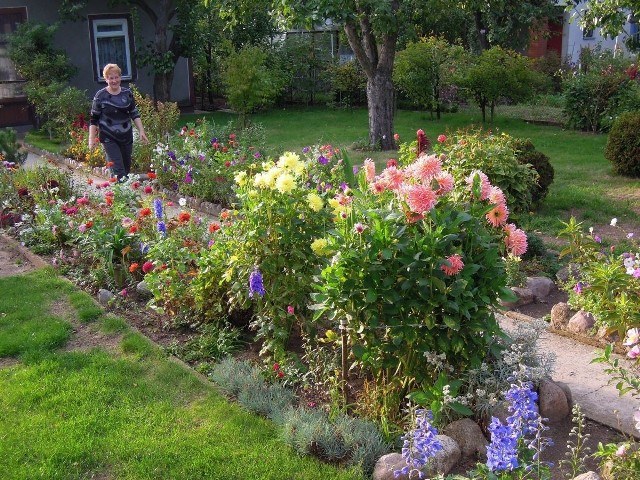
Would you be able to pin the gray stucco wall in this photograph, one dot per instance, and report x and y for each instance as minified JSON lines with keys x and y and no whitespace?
{"x":75,"y":39}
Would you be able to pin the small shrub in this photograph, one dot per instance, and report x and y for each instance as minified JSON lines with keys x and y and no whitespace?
{"x":623,"y":144}
{"x":10,"y":147}
{"x":348,"y":84}
{"x":535,"y":247}
{"x":526,"y":153}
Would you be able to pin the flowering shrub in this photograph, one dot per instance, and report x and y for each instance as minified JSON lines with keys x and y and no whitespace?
{"x":608,"y":279}
{"x":78,"y":149}
{"x":263,"y":254}
{"x":203,"y":160}
{"x":413,"y":268}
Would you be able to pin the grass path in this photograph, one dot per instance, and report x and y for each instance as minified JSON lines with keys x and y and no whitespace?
{"x":128,"y":414}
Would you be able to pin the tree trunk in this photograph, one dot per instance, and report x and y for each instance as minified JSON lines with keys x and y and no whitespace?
{"x":380,"y":99}
{"x":162,"y":86}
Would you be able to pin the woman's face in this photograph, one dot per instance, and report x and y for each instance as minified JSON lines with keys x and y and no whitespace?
{"x":113,"y":80}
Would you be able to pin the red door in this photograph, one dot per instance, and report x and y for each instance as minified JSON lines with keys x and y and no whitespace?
{"x":14,"y":109}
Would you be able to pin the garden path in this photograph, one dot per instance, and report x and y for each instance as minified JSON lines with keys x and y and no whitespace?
{"x":588,"y":382}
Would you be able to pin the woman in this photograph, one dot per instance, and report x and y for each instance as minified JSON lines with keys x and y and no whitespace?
{"x":112,"y":112}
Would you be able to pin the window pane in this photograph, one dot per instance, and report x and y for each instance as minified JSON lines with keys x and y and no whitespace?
{"x":113,"y":50}
{"x":109,"y":28}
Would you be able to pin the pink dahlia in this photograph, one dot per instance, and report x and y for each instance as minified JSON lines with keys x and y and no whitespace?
{"x":516,"y":240}
{"x":485,"y":185}
{"x":369,"y":170}
{"x":378,"y":187}
{"x":453,"y":266}
{"x":420,"y":198}
{"x":392,"y":177}
{"x":442,"y":138}
{"x":425,"y":167}
{"x":445,"y":183}
{"x":496,"y":196}
{"x":498,"y":215}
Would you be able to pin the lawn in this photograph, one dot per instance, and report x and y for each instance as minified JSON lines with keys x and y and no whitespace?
{"x":584,"y":184}
{"x":126,"y":412}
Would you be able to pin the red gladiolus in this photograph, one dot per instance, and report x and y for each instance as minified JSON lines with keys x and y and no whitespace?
{"x":147,"y":267}
{"x":133,"y":267}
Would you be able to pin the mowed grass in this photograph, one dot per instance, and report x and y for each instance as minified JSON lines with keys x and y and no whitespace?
{"x":584,"y":186}
{"x":128,"y":414}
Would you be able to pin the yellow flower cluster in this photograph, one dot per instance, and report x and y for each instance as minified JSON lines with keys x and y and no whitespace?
{"x":281,"y":176}
{"x":320,"y":246}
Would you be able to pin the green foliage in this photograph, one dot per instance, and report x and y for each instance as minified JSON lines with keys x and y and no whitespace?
{"x":424,"y":69}
{"x":10,"y":147}
{"x":248,"y":81}
{"x":607,"y":284}
{"x":577,"y":452}
{"x":527,"y":154}
{"x":600,"y":91}
{"x":623,"y":144}
{"x":159,"y":120}
{"x":31,"y":51}
{"x":211,"y":342}
{"x":496,"y":156}
{"x":58,"y":105}
{"x":348,"y":83}
{"x":499,"y":74}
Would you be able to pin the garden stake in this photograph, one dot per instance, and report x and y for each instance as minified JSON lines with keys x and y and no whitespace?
{"x":343,"y":330}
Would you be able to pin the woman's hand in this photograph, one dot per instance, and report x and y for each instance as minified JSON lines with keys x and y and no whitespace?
{"x":143,"y":137}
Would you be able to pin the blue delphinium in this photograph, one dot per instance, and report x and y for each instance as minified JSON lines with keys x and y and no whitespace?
{"x":157,"y":206}
{"x":162,"y":228}
{"x":523,"y":429}
{"x":419,"y":445}
{"x":255,"y":283}
{"x":502,"y":452}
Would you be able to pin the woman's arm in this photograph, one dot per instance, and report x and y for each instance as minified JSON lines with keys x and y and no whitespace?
{"x":143,"y":136}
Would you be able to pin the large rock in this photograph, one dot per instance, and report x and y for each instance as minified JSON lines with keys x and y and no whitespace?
{"x":581,"y":322}
{"x":104,"y":296}
{"x":560,"y":315}
{"x":468,"y":436}
{"x":143,"y":290}
{"x":441,"y":463}
{"x":389,"y":463}
{"x":588,"y":476}
{"x":525,"y":297}
{"x":570,"y":272}
{"x":541,"y":287}
{"x":567,"y":392}
{"x":552,"y":401}
{"x":447,"y":458}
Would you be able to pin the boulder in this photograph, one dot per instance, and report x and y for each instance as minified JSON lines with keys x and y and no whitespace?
{"x":104,"y":296}
{"x":525,"y":297}
{"x":389,"y":463}
{"x":447,"y":458}
{"x":581,"y":322}
{"x":541,"y":287}
{"x":567,"y":392}
{"x":468,"y":436}
{"x":560,"y":315}
{"x":588,"y":476}
{"x":572,"y":271}
{"x":143,"y":290}
{"x":441,"y":463}
{"x":552,"y":401}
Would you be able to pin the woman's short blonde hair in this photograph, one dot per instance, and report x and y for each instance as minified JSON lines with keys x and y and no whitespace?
{"x":111,"y":67}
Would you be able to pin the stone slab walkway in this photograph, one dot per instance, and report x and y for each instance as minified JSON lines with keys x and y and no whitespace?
{"x":589,"y":384}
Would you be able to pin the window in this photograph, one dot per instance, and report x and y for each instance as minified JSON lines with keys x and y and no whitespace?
{"x":10,"y":82}
{"x":634,"y":33}
{"x":587,"y":33}
{"x":111,"y":42}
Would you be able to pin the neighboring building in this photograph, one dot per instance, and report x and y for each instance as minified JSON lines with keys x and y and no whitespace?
{"x":564,"y":35}
{"x":104,"y":36}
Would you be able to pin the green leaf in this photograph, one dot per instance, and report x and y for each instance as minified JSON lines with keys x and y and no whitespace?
{"x":371,"y":296}
{"x":452,"y":323}
{"x":461,"y":409}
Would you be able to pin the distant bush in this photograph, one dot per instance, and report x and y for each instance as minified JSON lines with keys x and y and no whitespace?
{"x":348,"y":84}
{"x":623,"y":145}
{"x":526,"y":153}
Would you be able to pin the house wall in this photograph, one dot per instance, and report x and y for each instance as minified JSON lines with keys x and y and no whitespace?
{"x":573,"y":41}
{"x":74,"y":38}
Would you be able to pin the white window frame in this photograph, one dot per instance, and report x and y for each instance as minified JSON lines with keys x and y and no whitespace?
{"x":123,"y":22}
